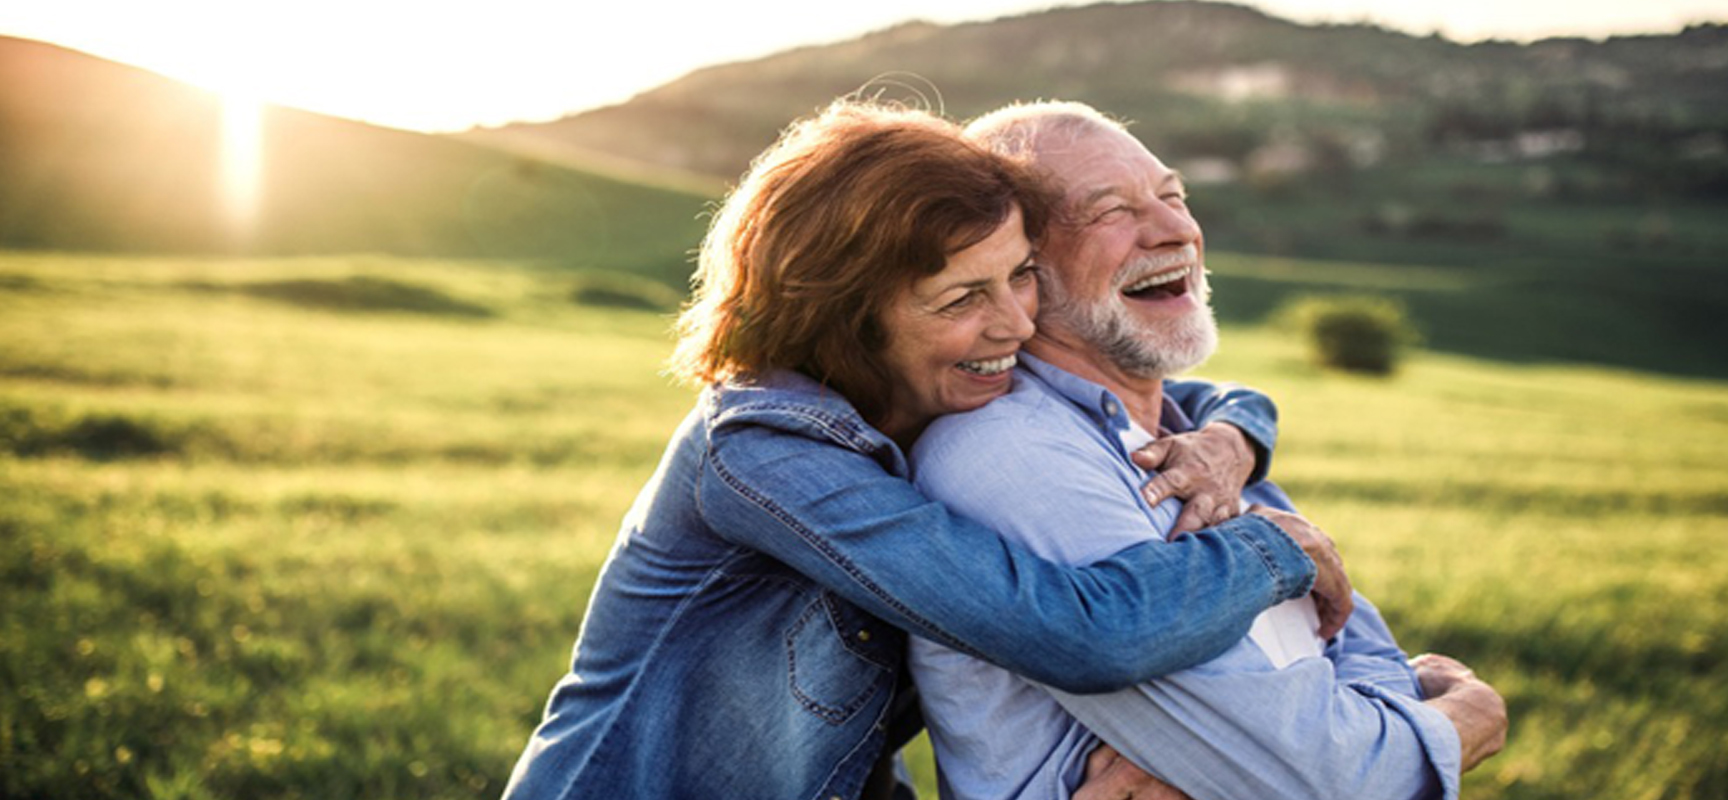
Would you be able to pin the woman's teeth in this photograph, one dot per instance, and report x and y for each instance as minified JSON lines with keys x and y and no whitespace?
{"x":1158,"y":279}
{"x":992,"y":366}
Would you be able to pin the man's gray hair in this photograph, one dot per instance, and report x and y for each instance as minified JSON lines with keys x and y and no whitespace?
{"x":1020,"y":130}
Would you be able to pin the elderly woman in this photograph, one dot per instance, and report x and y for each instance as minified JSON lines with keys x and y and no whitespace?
{"x":746,"y":637}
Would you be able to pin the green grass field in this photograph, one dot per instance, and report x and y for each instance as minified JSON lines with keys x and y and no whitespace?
{"x":324,"y":528}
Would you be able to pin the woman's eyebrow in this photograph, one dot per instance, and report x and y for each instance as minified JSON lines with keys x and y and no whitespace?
{"x":1031,"y":258}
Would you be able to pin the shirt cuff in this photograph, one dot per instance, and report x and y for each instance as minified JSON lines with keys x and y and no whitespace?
{"x":1439,"y":738}
{"x":1292,"y":570}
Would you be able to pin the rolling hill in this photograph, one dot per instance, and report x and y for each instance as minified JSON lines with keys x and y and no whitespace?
{"x":1209,"y":79}
{"x":96,"y":155}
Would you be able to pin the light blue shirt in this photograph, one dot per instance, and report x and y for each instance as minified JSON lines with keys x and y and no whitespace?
{"x":1348,"y":725}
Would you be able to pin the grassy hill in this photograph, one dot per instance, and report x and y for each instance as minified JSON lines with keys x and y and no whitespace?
{"x":99,"y":156}
{"x":324,"y":527}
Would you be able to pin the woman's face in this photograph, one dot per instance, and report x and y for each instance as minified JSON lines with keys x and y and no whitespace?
{"x":953,"y":336}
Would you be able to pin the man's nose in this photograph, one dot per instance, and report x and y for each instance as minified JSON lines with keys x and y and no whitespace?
{"x":1167,"y":225}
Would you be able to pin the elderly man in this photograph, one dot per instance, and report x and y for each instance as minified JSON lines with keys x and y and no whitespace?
{"x":1281,"y":714}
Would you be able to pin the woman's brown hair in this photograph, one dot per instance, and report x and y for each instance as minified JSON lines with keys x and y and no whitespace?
{"x":845,"y":210}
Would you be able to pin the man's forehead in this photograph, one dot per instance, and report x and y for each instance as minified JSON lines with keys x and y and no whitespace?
{"x":1103,"y":162}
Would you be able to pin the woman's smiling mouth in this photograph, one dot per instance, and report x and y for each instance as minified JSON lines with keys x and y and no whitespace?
{"x":990,"y":366}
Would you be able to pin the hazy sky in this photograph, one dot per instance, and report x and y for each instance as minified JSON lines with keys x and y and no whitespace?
{"x":435,"y":65}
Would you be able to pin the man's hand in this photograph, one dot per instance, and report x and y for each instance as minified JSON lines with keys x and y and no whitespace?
{"x":1476,"y":710}
{"x":1207,"y":469}
{"x":1109,"y":776}
{"x":1332,"y":598}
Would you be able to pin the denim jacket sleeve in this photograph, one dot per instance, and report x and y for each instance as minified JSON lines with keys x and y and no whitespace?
{"x":844,"y":520}
{"x":1250,"y":411}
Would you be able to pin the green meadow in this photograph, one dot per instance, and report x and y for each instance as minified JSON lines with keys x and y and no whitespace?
{"x":325,"y":527}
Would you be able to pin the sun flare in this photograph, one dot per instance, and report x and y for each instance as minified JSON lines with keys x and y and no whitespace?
{"x":242,"y":160}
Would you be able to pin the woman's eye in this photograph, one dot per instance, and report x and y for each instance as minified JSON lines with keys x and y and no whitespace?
{"x":1025,"y":273}
{"x":961,"y":303}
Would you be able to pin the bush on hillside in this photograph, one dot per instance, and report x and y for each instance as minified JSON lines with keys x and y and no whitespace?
{"x":1354,"y":333}
{"x":96,"y":436}
{"x":619,"y":290}
{"x":366,"y":293}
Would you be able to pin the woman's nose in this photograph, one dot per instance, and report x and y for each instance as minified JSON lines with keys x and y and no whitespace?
{"x":1013,"y":319}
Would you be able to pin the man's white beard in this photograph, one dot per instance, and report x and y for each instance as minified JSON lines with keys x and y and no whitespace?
{"x":1149,"y":349}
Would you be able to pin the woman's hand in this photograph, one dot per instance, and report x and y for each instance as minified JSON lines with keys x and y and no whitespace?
{"x":1109,"y":776}
{"x":1333,"y":600}
{"x":1476,"y":710}
{"x":1206,"y":469}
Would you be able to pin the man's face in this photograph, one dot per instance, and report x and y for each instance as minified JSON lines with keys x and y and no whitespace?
{"x":1126,"y":258}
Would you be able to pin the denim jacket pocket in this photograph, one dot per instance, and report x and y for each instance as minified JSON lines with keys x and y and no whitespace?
{"x":834,"y":666}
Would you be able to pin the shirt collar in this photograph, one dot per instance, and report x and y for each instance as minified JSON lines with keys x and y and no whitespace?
{"x":1099,"y":404}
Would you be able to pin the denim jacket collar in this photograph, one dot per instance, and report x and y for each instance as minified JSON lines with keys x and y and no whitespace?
{"x":796,"y":403}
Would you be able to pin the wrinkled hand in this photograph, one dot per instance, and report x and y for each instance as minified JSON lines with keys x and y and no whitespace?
{"x":1206,"y":469}
{"x":1476,"y":710}
{"x":1440,"y":674}
{"x":1109,"y":776}
{"x":1333,"y":600}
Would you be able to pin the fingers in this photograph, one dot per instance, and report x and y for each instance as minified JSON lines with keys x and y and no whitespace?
{"x":1098,"y":783}
{"x":1438,"y":674}
{"x":1152,"y":456}
{"x":1099,"y":760}
{"x":1204,"y":511}
{"x":1193,"y":464}
{"x":1333,"y":614}
{"x":1479,"y":714}
{"x":1436,"y":661}
{"x":1333,"y":600}
{"x":1121,"y":780}
{"x":1174,"y":482}
{"x":1188,"y":521}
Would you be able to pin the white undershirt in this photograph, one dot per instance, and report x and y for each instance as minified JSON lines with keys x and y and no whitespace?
{"x":1284,"y":632}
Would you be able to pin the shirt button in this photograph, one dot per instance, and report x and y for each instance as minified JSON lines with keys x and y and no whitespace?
{"x":863,"y":636}
{"x":1110,"y":407}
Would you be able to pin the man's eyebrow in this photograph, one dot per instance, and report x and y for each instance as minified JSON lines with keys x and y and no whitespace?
{"x":1173,"y":177}
{"x":1097,"y":194}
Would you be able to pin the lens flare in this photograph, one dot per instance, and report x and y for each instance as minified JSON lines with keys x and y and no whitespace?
{"x":242,"y":162}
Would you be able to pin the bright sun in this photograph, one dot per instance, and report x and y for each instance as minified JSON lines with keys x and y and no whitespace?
{"x":242,"y":164}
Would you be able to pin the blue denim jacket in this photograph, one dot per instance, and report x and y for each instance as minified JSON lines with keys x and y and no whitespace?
{"x":746,"y":637}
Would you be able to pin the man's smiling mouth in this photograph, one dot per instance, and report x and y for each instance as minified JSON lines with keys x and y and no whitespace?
{"x":1164,"y":284}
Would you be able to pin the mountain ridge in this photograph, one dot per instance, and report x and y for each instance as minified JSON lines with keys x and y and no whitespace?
{"x":1182,"y":54}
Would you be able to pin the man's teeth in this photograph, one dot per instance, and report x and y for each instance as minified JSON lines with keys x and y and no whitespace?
{"x":1158,"y":280}
{"x":990,"y":366}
